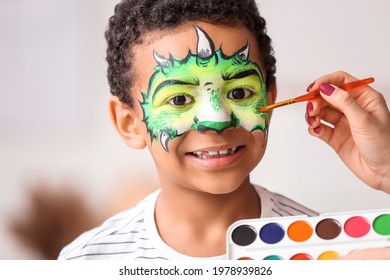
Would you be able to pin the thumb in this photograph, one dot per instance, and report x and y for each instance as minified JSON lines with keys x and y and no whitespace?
{"x":344,"y":102}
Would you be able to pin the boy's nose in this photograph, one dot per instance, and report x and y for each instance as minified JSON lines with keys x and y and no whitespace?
{"x":214,"y":116}
{"x":217,"y":127}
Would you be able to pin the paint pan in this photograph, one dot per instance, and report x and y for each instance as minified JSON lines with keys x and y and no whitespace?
{"x":308,"y":238}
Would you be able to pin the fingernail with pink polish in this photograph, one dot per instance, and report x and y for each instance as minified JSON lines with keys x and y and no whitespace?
{"x":327,"y":89}
{"x":310,"y":86}
{"x":317,"y":130}
{"x":309,"y":107}
{"x":311,"y":120}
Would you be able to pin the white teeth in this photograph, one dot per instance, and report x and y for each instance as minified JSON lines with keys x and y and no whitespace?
{"x":215,"y":154}
{"x":223,"y":152}
{"x":198,"y":154}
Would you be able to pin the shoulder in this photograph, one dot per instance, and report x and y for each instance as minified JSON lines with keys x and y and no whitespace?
{"x":121,"y":236}
{"x":277,"y":205}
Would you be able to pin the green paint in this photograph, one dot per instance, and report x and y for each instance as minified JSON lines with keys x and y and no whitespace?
{"x":382,"y":224}
{"x":197,"y":93}
{"x":214,"y":100}
{"x":216,"y":126}
{"x":273,"y":258}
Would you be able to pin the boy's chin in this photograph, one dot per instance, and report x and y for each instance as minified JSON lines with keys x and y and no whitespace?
{"x":218,"y":186}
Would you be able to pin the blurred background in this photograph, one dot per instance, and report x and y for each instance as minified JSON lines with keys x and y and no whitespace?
{"x":61,"y":160}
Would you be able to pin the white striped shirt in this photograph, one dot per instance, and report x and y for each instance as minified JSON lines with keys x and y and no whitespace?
{"x":133,"y":234}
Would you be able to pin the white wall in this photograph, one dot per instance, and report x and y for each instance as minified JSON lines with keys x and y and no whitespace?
{"x":312,"y":38}
{"x":54,"y":124}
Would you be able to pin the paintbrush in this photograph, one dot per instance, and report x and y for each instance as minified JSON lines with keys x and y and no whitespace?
{"x":315,"y":94}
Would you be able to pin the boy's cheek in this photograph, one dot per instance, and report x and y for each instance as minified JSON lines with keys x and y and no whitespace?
{"x":173,"y":119}
{"x":250,"y":118}
{"x":184,"y":123}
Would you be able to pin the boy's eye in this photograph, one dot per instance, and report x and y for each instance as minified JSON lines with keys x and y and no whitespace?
{"x":180,"y":100}
{"x":239,"y":93}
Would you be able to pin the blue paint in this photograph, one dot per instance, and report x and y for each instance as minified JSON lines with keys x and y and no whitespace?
{"x":272,"y":233}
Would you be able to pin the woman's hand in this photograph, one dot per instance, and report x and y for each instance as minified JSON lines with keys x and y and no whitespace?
{"x":356,"y":124}
{"x":368,"y":254}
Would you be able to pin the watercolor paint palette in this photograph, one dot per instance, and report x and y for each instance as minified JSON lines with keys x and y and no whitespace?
{"x":308,"y":238}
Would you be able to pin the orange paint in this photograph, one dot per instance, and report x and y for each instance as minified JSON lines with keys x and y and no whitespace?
{"x":300,"y":231}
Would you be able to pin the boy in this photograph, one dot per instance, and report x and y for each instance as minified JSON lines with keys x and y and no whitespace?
{"x":187,"y":79}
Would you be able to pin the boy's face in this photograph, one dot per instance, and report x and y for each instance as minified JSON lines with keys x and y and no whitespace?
{"x":197,"y":95}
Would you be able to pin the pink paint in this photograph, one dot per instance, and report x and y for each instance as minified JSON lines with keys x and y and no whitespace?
{"x":357,"y":226}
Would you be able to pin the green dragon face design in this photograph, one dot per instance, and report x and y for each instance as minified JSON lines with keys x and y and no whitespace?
{"x":204,"y":91}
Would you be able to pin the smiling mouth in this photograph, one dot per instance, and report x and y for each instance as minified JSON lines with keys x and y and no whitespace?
{"x":215,"y":154}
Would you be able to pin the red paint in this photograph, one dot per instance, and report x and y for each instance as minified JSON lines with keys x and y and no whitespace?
{"x":301,"y":256}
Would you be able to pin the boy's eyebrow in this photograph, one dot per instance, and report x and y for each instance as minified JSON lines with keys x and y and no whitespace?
{"x":173,"y":82}
{"x":241,"y":75}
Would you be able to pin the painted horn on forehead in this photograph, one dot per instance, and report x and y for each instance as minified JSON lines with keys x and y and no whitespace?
{"x":162,"y":61}
{"x":244,"y":52}
{"x":205,"y":47}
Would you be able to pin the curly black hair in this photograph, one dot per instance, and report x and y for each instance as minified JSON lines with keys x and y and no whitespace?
{"x":134,"y":18}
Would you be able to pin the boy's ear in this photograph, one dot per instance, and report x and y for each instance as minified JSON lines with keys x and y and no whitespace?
{"x":126,"y":123}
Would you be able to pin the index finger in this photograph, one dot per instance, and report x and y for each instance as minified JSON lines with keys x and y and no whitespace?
{"x":337,"y":78}
{"x":363,"y":95}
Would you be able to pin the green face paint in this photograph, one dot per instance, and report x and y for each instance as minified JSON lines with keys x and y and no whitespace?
{"x":206,"y":91}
